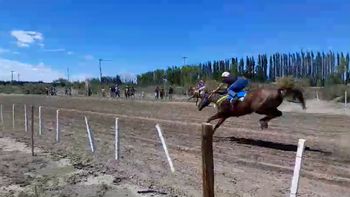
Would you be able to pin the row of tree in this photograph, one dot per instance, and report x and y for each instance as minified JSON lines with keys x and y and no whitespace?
{"x":318,"y":68}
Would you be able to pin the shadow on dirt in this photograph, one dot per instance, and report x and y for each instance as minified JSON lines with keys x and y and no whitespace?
{"x":267,"y":144}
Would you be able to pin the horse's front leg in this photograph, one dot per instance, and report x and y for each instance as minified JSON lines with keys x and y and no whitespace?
{"x":197,"y":101}
{"x":218,"y":124}
{"x":214,"y":117}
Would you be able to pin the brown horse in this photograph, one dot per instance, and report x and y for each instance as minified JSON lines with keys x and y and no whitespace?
{"x":261,"y":101}
{"x":195,"y":93}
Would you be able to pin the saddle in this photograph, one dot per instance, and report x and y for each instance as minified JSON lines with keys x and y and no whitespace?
{"x":239,"y":95}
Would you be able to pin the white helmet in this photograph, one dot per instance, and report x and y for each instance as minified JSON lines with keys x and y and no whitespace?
{"x":225,"y":74}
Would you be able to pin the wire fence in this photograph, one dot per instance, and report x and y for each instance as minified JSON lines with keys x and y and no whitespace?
{"x":101,"y":137}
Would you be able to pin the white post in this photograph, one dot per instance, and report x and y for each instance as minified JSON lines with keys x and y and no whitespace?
{"x":40,"y":120}
{"x":90,"y":136}
{"x":165,"y":148}
{"x":296,"y":173}
{"x":346,"y":98}
{"x":1,"y":116}
{"x":57,"y":127}
{"x":25,"y":119}
{"x":117,"y":144}
{"x":13,"y":116}
{"x":317,"y":95}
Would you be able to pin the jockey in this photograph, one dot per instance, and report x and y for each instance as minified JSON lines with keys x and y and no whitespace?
{"x":234,"y":85}
{"x":200,"y":86}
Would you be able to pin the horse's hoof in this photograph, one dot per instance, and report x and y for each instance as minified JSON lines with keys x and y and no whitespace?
{"x":263,"y":125}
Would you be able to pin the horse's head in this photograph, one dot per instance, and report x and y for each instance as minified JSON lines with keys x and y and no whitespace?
{"x":204,"y":102}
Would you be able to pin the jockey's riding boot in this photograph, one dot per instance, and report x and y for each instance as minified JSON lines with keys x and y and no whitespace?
{"x":233,"y":102}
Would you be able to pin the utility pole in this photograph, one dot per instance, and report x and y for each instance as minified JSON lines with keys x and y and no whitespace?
{"x":100,"y":66}
{"x":18,"y":77}
{"x":184,"y":59}
{"x":99,"y":63}
{"x":68,"y":74}
{"x":12,"y":75}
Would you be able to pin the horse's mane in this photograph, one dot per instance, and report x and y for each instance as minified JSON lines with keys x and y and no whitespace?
{"x":215,"y":96}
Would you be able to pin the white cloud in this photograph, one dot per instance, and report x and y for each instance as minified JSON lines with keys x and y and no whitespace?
{"x":4,"y":50}
{"x":22,"y":44}
{"x":28,"y":72}
{"x":60,"y":50}
{"x":127,"y":76}
{"x":88,"y":57}
{"x":26,"y":38}
{"x":55,"y":50}
{"x":81,"y":77}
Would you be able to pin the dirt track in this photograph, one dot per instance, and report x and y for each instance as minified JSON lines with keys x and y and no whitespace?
{"x":248,"y":161}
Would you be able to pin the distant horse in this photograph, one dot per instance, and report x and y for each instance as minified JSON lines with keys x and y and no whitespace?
{"x":129,"y":92}
{"x":103,"y":92}
{"x":195,"y":94}
{"x":52,"y":91}
{"x":261,"y":101}
{"x":117,"y":92}
{"x":112,"y":90}
{"x":132,"y":92}
{"x":126,"y":92}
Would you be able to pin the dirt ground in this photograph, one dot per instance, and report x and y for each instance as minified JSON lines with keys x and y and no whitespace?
{"x":51,"y":175}
{"x":248,"y":161}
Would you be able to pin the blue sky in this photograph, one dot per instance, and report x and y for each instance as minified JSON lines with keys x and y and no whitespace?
{"x":40,"y":38}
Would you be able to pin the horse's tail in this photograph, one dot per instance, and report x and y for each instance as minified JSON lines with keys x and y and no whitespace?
{"x":296,"y":93}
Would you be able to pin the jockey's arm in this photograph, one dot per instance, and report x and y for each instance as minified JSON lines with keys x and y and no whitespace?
{"x":201,"y":88}
{"x":219,"y":87}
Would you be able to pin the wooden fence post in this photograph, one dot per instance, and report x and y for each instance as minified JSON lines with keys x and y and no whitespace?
{"x":32,"y":136}
{"x":207,"y":160}
{"x":296,"y":173}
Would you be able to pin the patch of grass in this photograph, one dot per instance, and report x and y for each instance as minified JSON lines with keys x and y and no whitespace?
{"x":335,"y":92}
{"x":286,"y":82}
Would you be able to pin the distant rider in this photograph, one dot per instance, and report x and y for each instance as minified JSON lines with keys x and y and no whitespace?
{"x":201,"y":86}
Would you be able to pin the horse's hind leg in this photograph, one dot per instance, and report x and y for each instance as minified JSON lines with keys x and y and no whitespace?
{"x":270,"y":114}
{"x":264,"y":122}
